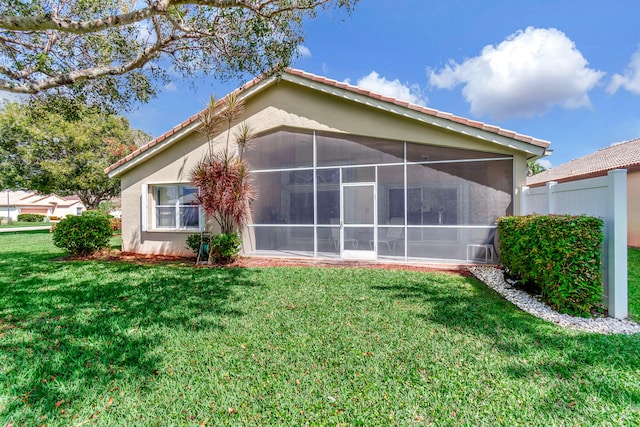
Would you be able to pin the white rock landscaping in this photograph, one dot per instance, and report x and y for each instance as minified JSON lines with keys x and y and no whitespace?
{"x":493,"y":278}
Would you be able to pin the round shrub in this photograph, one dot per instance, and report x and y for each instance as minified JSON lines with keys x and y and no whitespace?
{"x":83,"y":235}
{"x":224,"y":248}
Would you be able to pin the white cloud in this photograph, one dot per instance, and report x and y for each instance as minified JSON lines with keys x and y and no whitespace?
{"x":394,"y":88}
{"x":170,"y":87}
{"x":325,"y":68}
{"x":630,"y":80}
{"x":545,"y":163}
{"x":524,"y":75}
{"x":303,"y":51}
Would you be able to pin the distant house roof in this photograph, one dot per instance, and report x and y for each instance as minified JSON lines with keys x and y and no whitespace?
{"x":14,"y":197}
{"x":624,"y":155}
{"x":345,"y":90}
{"x":30,"y":198}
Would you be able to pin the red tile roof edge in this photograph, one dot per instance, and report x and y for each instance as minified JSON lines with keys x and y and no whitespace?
{"x":175,"y":129}
{"x":587,"y":175}
{"x":425,"y":110}
{"x":355,"y":89}
{"x":611,"y":158}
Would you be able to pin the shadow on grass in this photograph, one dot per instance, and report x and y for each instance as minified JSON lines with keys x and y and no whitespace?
{"x":533,"y":350}
{"x":634,"y":283}
{"x":69,"y":328}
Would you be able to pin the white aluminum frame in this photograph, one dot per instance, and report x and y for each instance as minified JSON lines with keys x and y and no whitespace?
{"x":360,"y":253}
{"x":368,"y":254}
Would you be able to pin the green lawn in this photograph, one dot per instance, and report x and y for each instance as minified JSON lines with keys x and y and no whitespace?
{"x":15,"y":224}
{"x":634,"y":284}
{"x":122,"y":344}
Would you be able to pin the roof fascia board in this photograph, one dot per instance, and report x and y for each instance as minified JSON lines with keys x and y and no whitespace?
{"x":181,"y":133}
{"x":440,"y":122}
{"x":150,"y":152}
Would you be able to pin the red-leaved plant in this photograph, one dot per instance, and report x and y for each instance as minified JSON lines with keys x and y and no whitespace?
{"x":222,"y":177}
{"x":225,"y":191}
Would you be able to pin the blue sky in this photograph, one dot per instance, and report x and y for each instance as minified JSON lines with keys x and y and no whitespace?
{"x":565,"y":71}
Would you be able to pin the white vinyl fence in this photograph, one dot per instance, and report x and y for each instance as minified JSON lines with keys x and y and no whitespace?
{"x":604,"y":197}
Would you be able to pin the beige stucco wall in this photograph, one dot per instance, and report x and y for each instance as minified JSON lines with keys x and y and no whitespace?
{"x":633,"y":208}
{"x":172,"y":165}
{"x":283,"y":104}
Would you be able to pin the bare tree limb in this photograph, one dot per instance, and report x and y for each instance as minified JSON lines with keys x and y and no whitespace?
{"x":92,"y":49}
{"x":159,"y":7}
{"x":84,"y":74}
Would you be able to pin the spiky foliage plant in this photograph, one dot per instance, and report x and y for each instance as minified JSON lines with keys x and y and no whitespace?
{"x":225,"y":191}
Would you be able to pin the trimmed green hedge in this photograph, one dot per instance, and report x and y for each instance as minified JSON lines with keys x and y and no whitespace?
{"x":83,"y":235}
{"x":560,"y":254}
{"x":27,"y":217}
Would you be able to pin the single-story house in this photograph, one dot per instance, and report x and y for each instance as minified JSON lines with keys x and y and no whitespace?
{"x":340,"y":172}
{"x":624,"y":155}
{"x":13,"y":203}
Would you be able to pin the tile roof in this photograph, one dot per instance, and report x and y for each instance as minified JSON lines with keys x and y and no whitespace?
{"x":14,"y":197}
{"x":624,"y":155}
{"x":350,"y":88}
{"x":31,"y":198}
{"x":424,"y":110}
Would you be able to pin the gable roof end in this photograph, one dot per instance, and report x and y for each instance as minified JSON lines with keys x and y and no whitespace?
{"x":426,"y":114}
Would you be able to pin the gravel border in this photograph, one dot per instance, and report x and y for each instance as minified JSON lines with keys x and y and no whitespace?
{"x":494,"y":279}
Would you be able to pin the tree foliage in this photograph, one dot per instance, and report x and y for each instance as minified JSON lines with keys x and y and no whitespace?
{"x":534,"y":168}
{"x":56,"y":152}
{"x":114,"y":52}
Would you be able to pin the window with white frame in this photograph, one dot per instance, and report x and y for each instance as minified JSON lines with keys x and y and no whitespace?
{"x":175,"y":207}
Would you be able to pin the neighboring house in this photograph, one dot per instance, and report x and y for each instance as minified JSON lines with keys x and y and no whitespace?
{"x":13,"y":203}
{"x":339,"y":172}
{"x":625,"y":155}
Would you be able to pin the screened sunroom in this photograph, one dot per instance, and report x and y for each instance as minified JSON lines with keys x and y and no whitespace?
{"x":332,"y":195}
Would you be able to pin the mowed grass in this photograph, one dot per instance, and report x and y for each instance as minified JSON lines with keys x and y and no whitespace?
{"x":19,"y":224}
{"x":634,"y":284}
{"x":106,"y":343}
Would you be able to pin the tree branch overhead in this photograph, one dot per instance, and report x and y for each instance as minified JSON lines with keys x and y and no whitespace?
{"x":68,"y":46}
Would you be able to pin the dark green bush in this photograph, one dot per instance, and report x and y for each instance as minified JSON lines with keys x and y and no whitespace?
{"x":193,"y":243}
{"x":560,"y":254}
{"x":27,"y":217}
{"x":83,"y":235}
{"x":224,"y":248}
